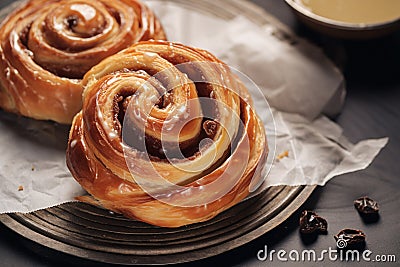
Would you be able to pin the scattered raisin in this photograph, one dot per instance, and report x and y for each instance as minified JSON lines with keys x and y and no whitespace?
{"x":351,"y":237}
{"x":366,"y":205}
{"x":310,"y":223}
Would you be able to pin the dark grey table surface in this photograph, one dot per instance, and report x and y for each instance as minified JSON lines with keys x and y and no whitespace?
{"x":372,"y":110}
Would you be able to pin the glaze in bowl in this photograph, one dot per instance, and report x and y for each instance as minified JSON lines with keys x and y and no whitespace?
{"x":341,"y":29}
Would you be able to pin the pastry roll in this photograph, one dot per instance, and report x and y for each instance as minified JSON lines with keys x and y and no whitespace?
{"x":167,"y":135}
{"x":48,"y":45}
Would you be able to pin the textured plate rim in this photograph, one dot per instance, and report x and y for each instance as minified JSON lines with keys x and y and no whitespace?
{"x":103,"y":257}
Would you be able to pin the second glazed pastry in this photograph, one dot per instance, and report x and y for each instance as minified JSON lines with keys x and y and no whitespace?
{"x":167,"y":135}
{"x":48,"y":45}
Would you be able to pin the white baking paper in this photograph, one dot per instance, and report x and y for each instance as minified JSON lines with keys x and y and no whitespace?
{"x":298,"y":80}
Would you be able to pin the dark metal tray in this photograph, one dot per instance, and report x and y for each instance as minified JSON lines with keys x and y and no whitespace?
{"x":93,"y":233}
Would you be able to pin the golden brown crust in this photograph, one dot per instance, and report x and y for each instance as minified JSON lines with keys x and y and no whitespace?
{"x":48,"y":45}
{"x":97,"y":155}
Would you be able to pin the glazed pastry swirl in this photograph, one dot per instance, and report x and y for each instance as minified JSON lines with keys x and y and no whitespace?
{"x":48,"y":45}
{"x":167,"y":135}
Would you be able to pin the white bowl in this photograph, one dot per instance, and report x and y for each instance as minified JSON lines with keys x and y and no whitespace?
{"x":343,"y":29}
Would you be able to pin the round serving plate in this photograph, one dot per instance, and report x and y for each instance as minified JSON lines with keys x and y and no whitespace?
{"x":93,"y":233}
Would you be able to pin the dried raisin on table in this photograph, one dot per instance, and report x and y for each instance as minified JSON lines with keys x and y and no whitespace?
{"x":311,"y":222}
{"x":366,"y":205}
{"x":352,"y":237}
